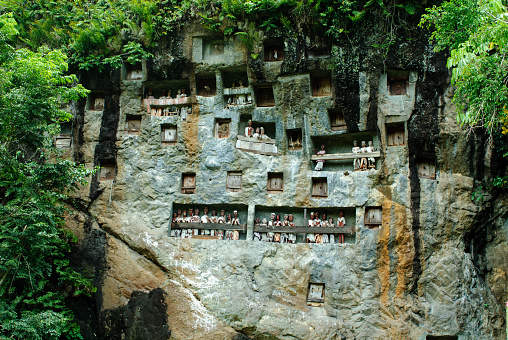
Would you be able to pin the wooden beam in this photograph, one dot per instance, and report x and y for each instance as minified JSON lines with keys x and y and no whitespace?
{"x":209,"y":226}
{"x":346,"y":156}
{"x":254,"y":140}
{"x":306,"y":230}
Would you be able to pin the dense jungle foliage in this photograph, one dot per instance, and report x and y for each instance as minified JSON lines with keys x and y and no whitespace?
{"x":39,"y":38}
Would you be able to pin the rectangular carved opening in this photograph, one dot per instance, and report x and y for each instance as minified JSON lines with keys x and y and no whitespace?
{"x":213,"y":49}
{"x":337,"y":121}
{"x":319,"y":187}
{"x":319,"y":48}
{"x":373,"y":217}
{"x":427,"y":168}
{"x":316,"y":292}
{"x":321,"y":85}
{"x":396,"y":135}
{"x":107,"y":170}
{"x":96,"y":103}
{"x":188,"y":183}
{"x":295,"y":140}
{"x":206,"y":85}
{"x":264,"y":96}
{"x":234,"y":181}
{"x":397,"y":82}
{"x":133,"y":125}
{"x":64,"y":138}
{"x":275,"y":182}
{"x":169,"y":134}
{"x":274,"y":50}
{"x":134,"y":72}
{"x":222,"y":128}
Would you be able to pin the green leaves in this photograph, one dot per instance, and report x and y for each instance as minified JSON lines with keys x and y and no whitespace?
{"x":35,"y":278}
{"x":477,"y":34}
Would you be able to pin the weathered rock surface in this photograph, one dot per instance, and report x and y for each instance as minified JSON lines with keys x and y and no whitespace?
{"x":437,"y":264}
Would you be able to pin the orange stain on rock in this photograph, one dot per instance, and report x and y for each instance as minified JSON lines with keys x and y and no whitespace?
{"x":384,"y":252}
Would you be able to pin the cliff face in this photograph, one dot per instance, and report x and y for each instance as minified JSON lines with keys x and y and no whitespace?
{"x":432,"y":263}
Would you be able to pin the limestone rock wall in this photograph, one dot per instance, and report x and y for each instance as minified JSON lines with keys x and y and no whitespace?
{"x":436,"y":265}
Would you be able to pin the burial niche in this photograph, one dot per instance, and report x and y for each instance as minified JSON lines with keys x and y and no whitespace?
{"x":206,"y":85}
{"x":213,"y":49}
{"x":133,"y":125}
{"x":188,"y":183}
{"x":373,"y":217}
{"x":96,"y":102}
{"x":274,"y":50}
{"x":319,"y":187}
{"x":107,"y":170}
{"x":321,"y":84}
{"x":337,"y":121}
{"x":316,"y":293}
{"x":234,"y":181}
{"x":133,"y":72}
{"x":222,"y":128}
{"x":275,"y":182}
{"x":64,"y":138}
{"x":427,"y":168}
{"x":169,"y":134}
{"x":264,"y":96}
{"x":295,"y":141}
{"x":398,"y":82}
{"x":395,"y":135}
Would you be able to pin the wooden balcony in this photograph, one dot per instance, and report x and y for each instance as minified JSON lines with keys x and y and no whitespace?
{"x":305,"y":230}
{"x":209,"y":226}
{"x":254,"y":145}
{"x":346,"y":156}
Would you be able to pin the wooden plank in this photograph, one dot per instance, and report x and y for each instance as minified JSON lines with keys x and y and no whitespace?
{"x":258,"y":152}
{"x":345,"y":156}
{"x":252,"y":139}
{"x":209,"y":226}
{"x":205,"y":237}
{"x":307,"y":230}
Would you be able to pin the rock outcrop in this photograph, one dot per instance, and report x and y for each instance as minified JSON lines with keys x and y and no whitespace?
{"x":434,"y":265}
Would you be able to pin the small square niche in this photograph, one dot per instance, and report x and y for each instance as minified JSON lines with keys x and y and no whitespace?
{"x":319,"y":48}
{"x":337,"y":121}
{"x":188,"y":183}
{"x":274,"y":50}
{"x":395,"y":135}
{"x":319,"y":187}
{"x":107,"y":170}
{"x":397,"y":82}
{"x":295,"y":140}
{"x":234,"y":181}
{"x":275,"y":182}
{"x":426,"y":168}
{"x":213,"y":49}
{"x":133,"y":125}
{"x":373,"y":217}
{"x":169,"y":134}
{"x":222,"y":128}
{"x":64,"y":138}
{"x":316,"y":293}
{"x":134,"y":72}
{"x":321,"y":85}
{"x":264,"y":96}
{"x":96,"y":103}
{"x":206,"y":85}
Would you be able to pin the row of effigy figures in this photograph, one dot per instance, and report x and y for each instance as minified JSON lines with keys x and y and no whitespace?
{"x":275,"y":221}
{"x":315,"y":222}
{"x":193,"y":217}
{"x":360,"y":163}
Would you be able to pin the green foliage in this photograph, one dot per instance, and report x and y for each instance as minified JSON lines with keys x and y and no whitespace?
{"x":477,"y":34}
{"x":35,"y":276}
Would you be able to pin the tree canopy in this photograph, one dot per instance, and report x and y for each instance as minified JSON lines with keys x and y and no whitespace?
{"x":35,"y":276}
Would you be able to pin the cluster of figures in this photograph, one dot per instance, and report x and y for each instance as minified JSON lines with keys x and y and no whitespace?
{"x":324,"y":222}
{"x":259,"y":134}
{"x":166,"y":99}
{"x":314,"y":221}
{"x":275,"y":221}
{"x":239,"y":99}
{"x":193,"y":217}
{"x":361,"y":163}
